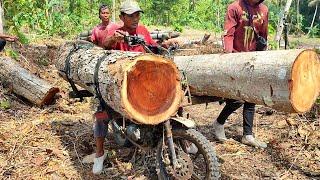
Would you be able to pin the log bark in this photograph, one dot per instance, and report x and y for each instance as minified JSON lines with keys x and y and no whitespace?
{"x":25,"y":84}
{"x":286,"y":80}
{"x":142,"y":87}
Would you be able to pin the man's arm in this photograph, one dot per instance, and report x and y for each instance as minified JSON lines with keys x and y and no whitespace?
{"x":8,"y":37}
{"x":264,"y":32}
{"x":147,"y":37}
{"x":229,"y":29}
{"x":93,"y":36}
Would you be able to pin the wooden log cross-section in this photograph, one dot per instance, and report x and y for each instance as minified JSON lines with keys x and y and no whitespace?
{"x":286,"y":80}
{"x":25,"y":84}
{"x":144,"y":88}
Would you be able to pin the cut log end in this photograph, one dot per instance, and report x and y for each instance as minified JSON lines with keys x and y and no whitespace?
{"x":49,"y":97}
{"x":305,"y":82}
{"x":151,"y":89}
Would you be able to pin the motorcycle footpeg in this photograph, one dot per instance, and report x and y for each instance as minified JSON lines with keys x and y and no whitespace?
{"x":80,"y":93}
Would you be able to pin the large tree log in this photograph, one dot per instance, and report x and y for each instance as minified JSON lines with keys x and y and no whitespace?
{"x":25,"y":84}
{"x":286,"y":80}
{"x":144,"y":88}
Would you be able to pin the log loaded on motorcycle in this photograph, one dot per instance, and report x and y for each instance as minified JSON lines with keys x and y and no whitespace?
{"x":145,"y":92}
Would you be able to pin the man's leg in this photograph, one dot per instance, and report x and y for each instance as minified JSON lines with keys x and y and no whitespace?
{"x":248,"y":115}
{"x":100,"y":132}
{"x":229,"y":108}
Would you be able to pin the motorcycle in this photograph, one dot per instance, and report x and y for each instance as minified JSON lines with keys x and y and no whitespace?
{"x":180,"y":151}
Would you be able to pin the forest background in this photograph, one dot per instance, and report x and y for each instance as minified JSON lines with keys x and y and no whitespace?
{"x":41,"y":19}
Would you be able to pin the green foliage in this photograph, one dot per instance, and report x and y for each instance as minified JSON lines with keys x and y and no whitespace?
{"x":13,"y":54}
{"x":4,"y":104}
{"x":177,"y":27}
{"x":22,"y":37}
{"x":67,"y":18}
{"x":272,"y":45}
{"x":314,"y":31}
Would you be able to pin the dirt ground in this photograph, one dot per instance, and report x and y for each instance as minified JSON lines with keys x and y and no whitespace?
{"x":51,"y":142}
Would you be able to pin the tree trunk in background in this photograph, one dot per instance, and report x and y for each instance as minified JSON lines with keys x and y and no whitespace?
{"x":113,"y":10}
{"x":191,"y":5}
{"x":314,"y":17}
{"x":281,"y":21}
{"x":218,"y":14}
{"x":286,"y":80}
{"x":298,"y":16}
{"x":1,"y":18}
{"x":143,"y":88}
{"x":25,"y":84}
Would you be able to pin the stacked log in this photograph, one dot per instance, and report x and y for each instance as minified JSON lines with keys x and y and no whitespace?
{"x":286,"y":80}
{"x":142,"y":87}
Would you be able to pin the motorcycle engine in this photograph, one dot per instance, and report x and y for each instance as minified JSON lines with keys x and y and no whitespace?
{"x":133,"y":132}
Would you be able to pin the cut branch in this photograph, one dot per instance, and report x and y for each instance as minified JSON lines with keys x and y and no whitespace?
{"x":25,"y":84}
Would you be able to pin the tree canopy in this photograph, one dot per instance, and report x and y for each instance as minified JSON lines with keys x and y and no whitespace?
{"x":66,"y":18}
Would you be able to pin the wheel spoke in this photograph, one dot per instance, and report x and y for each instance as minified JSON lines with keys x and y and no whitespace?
{"x":195,"y":176}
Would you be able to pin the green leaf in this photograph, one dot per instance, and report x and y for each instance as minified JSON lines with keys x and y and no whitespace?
{"x":5,"y":104}
{"x":13,"y":54}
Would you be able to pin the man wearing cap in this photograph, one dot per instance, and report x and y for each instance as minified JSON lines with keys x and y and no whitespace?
{"x":110,"y":36}
{"x":130,"y":16}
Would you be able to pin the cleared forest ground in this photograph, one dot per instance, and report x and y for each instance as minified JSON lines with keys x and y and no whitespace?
{"x":50,"y":142}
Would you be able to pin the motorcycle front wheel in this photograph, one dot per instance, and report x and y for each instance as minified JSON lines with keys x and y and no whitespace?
{"x":196,"y":157}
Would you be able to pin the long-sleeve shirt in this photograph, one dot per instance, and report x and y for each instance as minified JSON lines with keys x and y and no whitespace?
{"x":140,"y":31}
{"x":238,"y":34}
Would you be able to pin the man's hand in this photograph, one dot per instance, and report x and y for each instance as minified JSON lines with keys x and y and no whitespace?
{"x":119,"y":35}
{"x":11,"y":38}
{"x":111,"y":40}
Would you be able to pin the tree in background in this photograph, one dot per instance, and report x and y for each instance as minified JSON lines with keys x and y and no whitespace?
{"x":67,"y":18}
{"x":313,"y":3}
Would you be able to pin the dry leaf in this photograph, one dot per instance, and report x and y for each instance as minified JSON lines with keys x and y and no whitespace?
{"x":39,"y":120}
{"x":38,"y":161}
{"x":281,"y":124}
{"x":317,"y":153}
{"x":291,"y":121}
{"x":303,"y":132}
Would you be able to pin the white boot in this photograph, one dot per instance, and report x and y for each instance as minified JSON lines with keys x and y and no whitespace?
{"x":219,"y":131}
{"x":191,"y":148}
{"x":251,"y":141}
{"x":98,"y":164}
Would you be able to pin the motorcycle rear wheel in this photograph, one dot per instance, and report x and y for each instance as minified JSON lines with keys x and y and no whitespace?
{"x":182,"y":139}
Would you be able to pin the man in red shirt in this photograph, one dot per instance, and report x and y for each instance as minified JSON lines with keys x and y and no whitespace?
{"x":130,"y":16}
{"x":111,"y":36}
{"x":100,"y":32}
{"x":245,"y":20}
